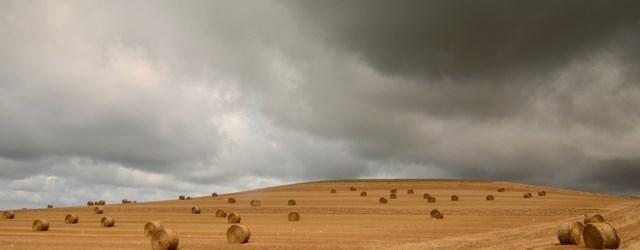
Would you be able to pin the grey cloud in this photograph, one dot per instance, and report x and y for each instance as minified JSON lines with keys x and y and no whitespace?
{"x":618,"y":174}
{"x":470,"y":41}
{"x":122,"y":98}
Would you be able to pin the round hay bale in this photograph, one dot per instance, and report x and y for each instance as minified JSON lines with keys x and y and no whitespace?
{"x":542,"y":193}
{"x":40,"y":225}
{"x":594,"y":218}
{"x":71,"y":219}
{"x":363,"y":194}
{"x":221,"y":213}
{"x":188,"y":197}
{"x":431,"y":199}
{"x":294,"y":216}
{"x":570,"y":233}
{"x":98,"y":210}
{"x":89,"y":203}
{"x":182,"y":197}
{"x":392,"y":196}
{"x":238,"y":234}
{"x":233,"y":217}
{"x":426,"y":196}
{"x":455,"y":198}
{"x":410,"y":191}
{"x":9,"y":215}
{"x":107,"y":221}
{"x":394,"y":190}
{"x":231,"y":201}
{"x":291,"y":202}
{"x":255,"y":203}
{"x":352,"y":188}
{"x":214,"y":194}
{"x":195,"y":210}
{"x":382,"y":200}
{"x":490,"y":197}
{"x":527,"y":195}
{"x":102,"y":202}
{"x":435,"y":214}
{"x":600,"y":235}
{"x":501,"y":189}
{"x":333,"y":191}
{"x":125,"y":201}
{"x":152,"y":227}
{"x":164,"y":239}
{"x":49,"y":206}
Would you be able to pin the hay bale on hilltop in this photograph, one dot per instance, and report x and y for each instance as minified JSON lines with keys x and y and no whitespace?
{"x":182,"y":197}
{"x":151,"y":227}
{"x":570,"y":233}
{"x":98,"y":210}
{"x":233,"y":217}
{"x":231,"y":200}
{"x":71,"y":219}
{"x":455,"y":198}
{"x":189,"y":198}
{"x":410,"y":191}
{"x":363,"y":194}
{"x":436,"y":214}
{"x":393,"y":196}
{"x":291,"y":202}
{"x":107,"y":221}
{"x":195,"y":210}
{"x":293,"y":216}
{"x":214,"y":195}
{"x":255,"y":203}
{"x":593,"y":218}
{"x":102,"y":202}
{"x":500,"y":190}
{"x":89,"y":203}
{"x":238,"y":234}
{"x":431,"y":199}
{"x":49,"y":206}
{"x":542,"y":193}
{"x":527,"y":195}
{"x":600,"y":235}
{"x":490,"y":197}
{"x":164,"y":239}
{"x":221,"y":213}
{"x":9,"y":215}
{"x":382,"y":200}
{"x":352,"y":188}
{"x":125,"y":201}
{"x":40,"y":225}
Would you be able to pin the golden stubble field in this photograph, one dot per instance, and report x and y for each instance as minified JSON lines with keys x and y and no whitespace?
{"x":343,"y":220}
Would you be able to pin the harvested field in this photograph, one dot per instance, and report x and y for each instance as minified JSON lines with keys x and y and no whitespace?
{"x":342,"y":220}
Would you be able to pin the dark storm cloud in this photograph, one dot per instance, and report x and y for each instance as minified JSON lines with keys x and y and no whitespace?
{"x":470,"y":41}
{"x":164,"y":97}
{"x":620,"y":175}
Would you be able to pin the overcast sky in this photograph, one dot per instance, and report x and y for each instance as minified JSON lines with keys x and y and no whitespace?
{"x":150,"y":99}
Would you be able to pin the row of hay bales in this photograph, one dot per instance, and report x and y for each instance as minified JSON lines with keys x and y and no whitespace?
{"x":162,"y":238}
{"x":40,"y":225}
{"x":435,"y":214}
{"x":432,"y":199}
{"x":258,"y":203}
{"x":235,"y":218}
{"x":594,"y":233}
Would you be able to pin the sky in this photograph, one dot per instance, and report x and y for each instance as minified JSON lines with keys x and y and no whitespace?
{"x":146,"y":100}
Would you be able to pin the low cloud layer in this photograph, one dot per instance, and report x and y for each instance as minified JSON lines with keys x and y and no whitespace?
{"x":147,"y":100}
